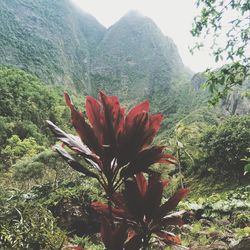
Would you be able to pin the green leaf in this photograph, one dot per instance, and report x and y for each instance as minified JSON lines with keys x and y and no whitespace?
{"x":247,"y":169}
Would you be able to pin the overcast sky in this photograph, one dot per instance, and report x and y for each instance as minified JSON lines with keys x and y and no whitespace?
{"x":173,"y":17}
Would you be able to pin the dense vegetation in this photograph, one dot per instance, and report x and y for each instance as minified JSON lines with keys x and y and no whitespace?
{"x":44,"y":204}
{"x":228,"y":19}
{"x":34,"y":180}
{"x":34,"y":37}
{"x":25,"y":105}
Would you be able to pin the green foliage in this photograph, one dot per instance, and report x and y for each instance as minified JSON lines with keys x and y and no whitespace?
{"x":181,"y":102}
{"x":45,"y":167}
{"x":29,"y":227}
{"x":25,"y":105}
{"x":230,"y":20}
{"x":217,"y":215}
{"x":243,"y":232}
{"x":87,"y":243}
{"x":24,"y":172}
{"x":34,"y":37}
{"x":35,"y":219}
{"x":247,"y":166}
{"x":51,"y":198}
{"x":221,"y":81}
{"x":219,"y":204}
{"x":17,"y":149}
{"x":224,"y":146}
{"x":24,"y":97}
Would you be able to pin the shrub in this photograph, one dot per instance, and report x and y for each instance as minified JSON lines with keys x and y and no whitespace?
{"x":224,"y":146}
{"x":30,"y":227}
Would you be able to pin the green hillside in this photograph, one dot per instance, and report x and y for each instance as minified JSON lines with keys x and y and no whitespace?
{"x":63,"y":45}
{"x":51,"y":39}
{"x":137,"y":58}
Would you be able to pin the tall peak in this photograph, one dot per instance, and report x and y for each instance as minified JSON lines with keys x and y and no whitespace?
{"x":133,"y":13}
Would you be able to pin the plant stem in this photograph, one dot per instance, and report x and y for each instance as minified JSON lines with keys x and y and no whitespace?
{"x":145,"y":242}
{"x":179,"y":166}
{"x":110,"y":212}
{"x":110,"y":193}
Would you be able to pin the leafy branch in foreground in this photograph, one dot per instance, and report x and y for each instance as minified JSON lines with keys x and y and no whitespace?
{"x":227,"y":24}
{"x":118,"y":150}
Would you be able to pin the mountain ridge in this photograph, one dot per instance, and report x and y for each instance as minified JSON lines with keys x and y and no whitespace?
{"x":62,"y":44}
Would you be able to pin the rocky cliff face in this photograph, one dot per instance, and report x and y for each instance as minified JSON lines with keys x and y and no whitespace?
{"x":236,"y":103}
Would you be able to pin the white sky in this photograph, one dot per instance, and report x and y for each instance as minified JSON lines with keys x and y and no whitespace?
{"x":173,"y":17}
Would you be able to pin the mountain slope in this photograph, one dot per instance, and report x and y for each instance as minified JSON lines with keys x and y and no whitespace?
{"x":49,"y":38}
{"x":63,"y":45}
{"x":136,"y":58}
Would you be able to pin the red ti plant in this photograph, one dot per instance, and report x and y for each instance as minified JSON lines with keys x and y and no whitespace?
{"x":115,"y":146}
{"x":140,"y":206}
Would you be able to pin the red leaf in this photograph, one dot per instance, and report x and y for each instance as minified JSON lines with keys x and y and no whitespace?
{"x":113,"y":120}
{"x":104,"y":209}
{"x":131,"y":234}
{"x":153,"y":127}
{"x":165,"y":183}
{"x":113,"y":239}
{"x":172,"y":221}
{"x":155,"y":121}
{"x":106,"y":232}
{"x":119,"y":201}
{"x":134,"y":199}
{"x":168,"y":159}
{"x":113,"y":112}
{"x":142,"y":107}
{"x":119,"y":237}
{"x":143,"y":161}
{"x":132,"y":139}
{"x":93,"y":111}
{"x":134,"y":243}
{"x":169,"y":238}
{"x":68,"y":100}
{"x":141,"y":183}
{"x":154,"y":194}
{"x":171,"y":203}
{"x":83,"y":129}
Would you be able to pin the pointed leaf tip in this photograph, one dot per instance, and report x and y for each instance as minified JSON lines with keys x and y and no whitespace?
{"x":169,"y":238}
{"x":140,"y":108}
{"x":68,"y":100}
{"x":141,"y":183}
{"x":172,"y":202}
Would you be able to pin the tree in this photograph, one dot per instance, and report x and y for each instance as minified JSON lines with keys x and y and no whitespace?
{"x":47,"y":165}
{"x":182,"y":133}
{"x":225,"y":146}
{"x":17,"y":149}
{"x":230,"y":20}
